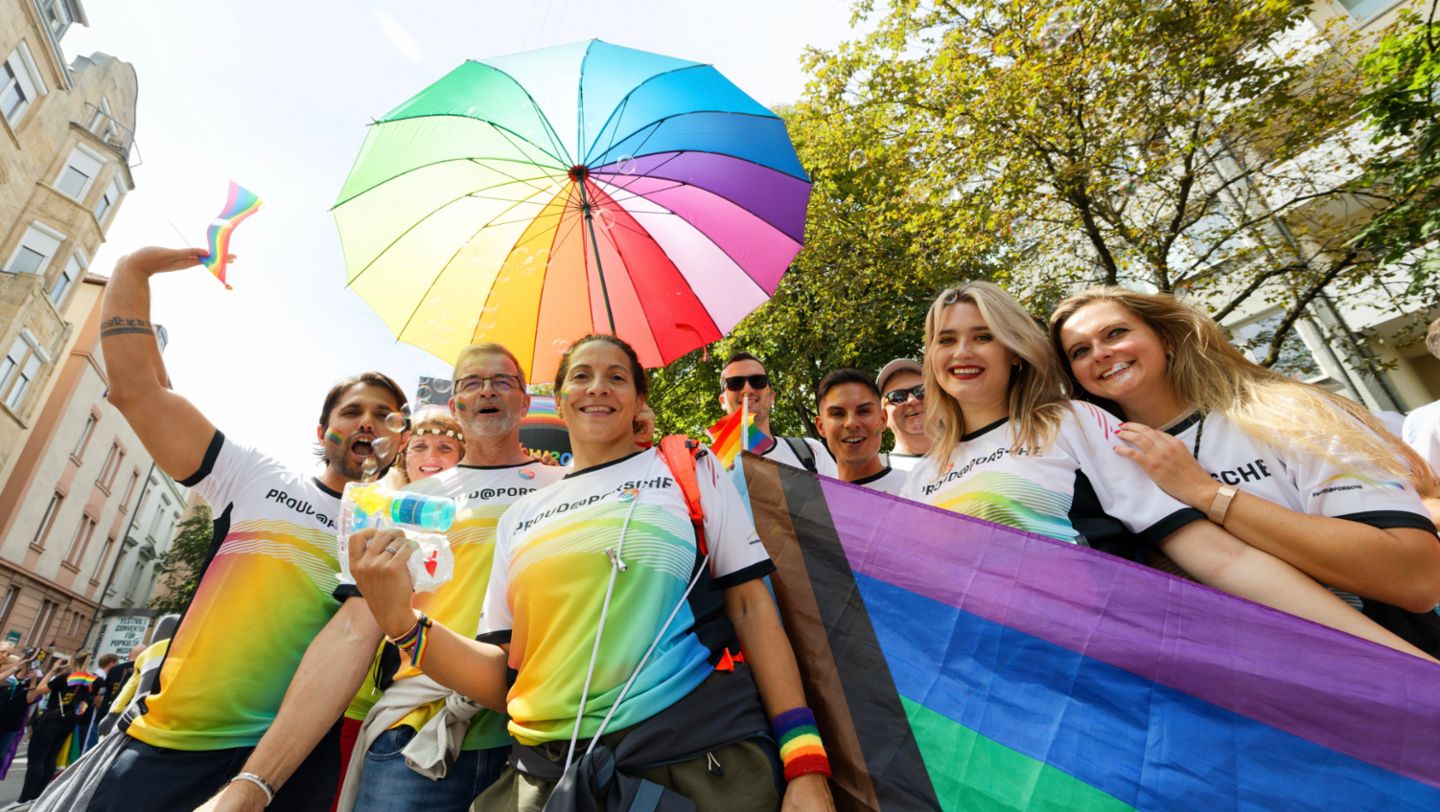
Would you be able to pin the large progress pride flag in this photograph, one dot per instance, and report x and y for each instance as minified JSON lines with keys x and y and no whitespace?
{"x":956,"y":664}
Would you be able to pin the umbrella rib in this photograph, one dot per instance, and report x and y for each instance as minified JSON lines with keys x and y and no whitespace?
{"x":559,"y":160}
{"x":626,"y":265}
{"x":549,"y":130}
{"x":447,"y":205}
{"x":657,"y":123}
{"x":535,"y":339}
{"x":701,"y":232}
{"x":522,"y":240}
{"x":625,"y":101}
{"x":467,"y":159}
{"x":428,"y":288}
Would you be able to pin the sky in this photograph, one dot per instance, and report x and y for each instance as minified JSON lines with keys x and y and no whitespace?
{"x":275,"y":96}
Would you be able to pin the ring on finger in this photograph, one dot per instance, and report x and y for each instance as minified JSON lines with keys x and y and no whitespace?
{"x":392,"y":549}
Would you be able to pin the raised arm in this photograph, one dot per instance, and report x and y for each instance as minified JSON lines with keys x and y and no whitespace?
{"x":174,"y":432}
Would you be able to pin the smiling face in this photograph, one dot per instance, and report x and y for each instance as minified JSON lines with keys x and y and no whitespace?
{"x":852,"y":423}
{"x":489,"y":399}
{"x":970,"y":364}
{"x":357,"y":421}
{"x":908,"y":418}
{"x":428,"y":454}
{"x":1115,"y":355}
{"x":760,"y":400}
{"x":598,"y":399}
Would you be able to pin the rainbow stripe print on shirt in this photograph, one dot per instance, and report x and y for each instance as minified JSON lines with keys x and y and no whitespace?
{"x":558,"y":574}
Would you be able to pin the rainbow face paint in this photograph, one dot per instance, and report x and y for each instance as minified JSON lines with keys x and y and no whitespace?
{"x":332,"y":437}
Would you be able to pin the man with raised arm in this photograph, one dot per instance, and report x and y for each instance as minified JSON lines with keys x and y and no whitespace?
{"x":743,"y":380}
{"x":263,"y":597}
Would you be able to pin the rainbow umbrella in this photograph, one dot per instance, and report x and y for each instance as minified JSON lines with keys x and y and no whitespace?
{"x":533,"y":198}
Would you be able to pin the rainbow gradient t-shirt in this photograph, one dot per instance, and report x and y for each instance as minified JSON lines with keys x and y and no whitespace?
{"x":1075,"y":489}
{"x":553,"y":560}
{"x":483,"y":493}
{"x":264,"y":595}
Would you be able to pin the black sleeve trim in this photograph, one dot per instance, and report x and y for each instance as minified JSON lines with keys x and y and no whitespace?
{"x":499,"y":638}
{"x":1159,"y":530}
{"x":1387,"y":519}
{"x":208,"y":463}
{"x":759,"y":569}
{"x":344,"y":592}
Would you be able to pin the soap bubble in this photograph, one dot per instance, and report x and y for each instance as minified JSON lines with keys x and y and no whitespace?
{"x":626,"y":164}
{"x":395,"y":422}
{"x":422,"y":393}
{"x":368,"y":468}
{"x":560,"y":345}
{"x":383,"y":448}
{"x":443,"y":386}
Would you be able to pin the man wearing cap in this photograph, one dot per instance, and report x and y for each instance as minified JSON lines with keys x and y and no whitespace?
{"x":902,"y":391}
{"x":744,"y":380}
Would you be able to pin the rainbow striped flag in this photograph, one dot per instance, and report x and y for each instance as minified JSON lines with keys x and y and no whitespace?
{"x":79,"y":678}
{"x":957,"y":664}
{"x":239,"y":204}
{"x":734,"y":433}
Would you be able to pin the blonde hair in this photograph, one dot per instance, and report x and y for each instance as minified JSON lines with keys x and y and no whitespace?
{"x":1207,"y":372}
{"x":430,"y":421}
{"x":1036,"y":399}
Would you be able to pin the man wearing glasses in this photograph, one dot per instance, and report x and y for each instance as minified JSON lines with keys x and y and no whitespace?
{"x":902,"y":391}
{"x":744,"y":380}
{"x":489,"y":400}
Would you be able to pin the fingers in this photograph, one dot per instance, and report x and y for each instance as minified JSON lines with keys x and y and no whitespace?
{"x":374,"y":548}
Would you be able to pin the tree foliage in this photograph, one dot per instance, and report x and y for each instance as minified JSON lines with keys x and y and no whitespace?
{"x":183,"y":563}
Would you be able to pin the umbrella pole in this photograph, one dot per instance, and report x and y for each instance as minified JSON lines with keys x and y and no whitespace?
{"x":595,"y":246}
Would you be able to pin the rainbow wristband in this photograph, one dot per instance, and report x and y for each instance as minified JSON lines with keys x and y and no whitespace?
{"x":801,"y":750}
{"x":415,"y":641}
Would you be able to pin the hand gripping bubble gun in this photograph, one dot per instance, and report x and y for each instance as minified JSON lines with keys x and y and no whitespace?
{"x":424,"y":519}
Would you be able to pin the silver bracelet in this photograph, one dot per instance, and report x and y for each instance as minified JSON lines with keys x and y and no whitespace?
{"x":259,"y":782}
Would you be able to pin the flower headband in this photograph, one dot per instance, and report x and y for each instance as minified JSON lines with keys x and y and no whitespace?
{"x":440,"y":432}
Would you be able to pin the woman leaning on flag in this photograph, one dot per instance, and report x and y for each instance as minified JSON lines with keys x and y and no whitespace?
{"x":1285,"y":466}
{"x":1010,"y":448}
{"x":613,"y":608}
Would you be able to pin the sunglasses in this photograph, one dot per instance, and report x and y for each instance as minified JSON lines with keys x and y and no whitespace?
{"x":757,"y":382}
{"x":895,"y":397}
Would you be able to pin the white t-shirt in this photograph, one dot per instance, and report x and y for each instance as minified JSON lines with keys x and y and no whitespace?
{"x":904,"y":462}
{"x":553,"y":554}
{"x":782,"y":452}
{"x":264,"y":595}
{"x":890,"y":480}
{"x":1077,"y":489}
{"x":1422,"y":432}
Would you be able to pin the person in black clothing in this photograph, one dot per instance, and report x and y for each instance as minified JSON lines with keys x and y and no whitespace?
{"x":70,"y":696}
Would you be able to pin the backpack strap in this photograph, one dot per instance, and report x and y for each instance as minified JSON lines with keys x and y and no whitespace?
{"x":679,"y":453}
{"x":803,"y":452}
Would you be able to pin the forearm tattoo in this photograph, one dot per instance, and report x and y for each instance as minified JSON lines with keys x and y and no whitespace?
{"x":120,"y":325}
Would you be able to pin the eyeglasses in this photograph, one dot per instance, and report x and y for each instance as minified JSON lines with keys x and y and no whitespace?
{"x":502,"y":384}
{"x":757,"y":382}
{"x":895,"y":397}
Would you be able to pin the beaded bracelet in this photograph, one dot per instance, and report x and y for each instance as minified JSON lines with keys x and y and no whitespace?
{"x":415,"y":641}
{"x":801,"y":750}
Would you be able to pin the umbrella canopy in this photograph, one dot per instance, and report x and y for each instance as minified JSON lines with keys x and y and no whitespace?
{"x":534,"y":198}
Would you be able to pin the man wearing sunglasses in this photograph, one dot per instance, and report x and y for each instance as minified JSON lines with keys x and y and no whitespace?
{"x":902,"y":391}
{"x":744,"y":380}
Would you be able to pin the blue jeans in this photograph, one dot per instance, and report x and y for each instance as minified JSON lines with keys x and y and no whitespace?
{"x":388,"y":785}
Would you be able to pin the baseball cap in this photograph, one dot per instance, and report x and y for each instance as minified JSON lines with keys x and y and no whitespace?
{"x":898,"y":365}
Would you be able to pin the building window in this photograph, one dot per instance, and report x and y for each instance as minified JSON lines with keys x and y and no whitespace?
{"x":1365,"y":9}
{"x":153,"y":534}
{"x":7,"y":603}
{"x":1254,"y":337}
{"x":78,"y":545}
{"x":111,"y":467}
{"x":113,"y":192}
{"x":72,"y":270}
{"x":41,"y":628}
{"x":20,"y":84}
{"x":48,"y":520}
{"x":35,"y":250}
{"x":85,"y":434}
{"x":104,"y":556}
{"x":57,"y":16}
{"x":18,"y":369}
{"x":129,"y":491}
{"x":79,"y":172}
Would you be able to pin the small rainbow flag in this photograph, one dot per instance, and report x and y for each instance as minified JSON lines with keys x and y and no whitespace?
{"x":733,"y":434}
{"x":78,"y":678}
{"x":240,"y":204}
